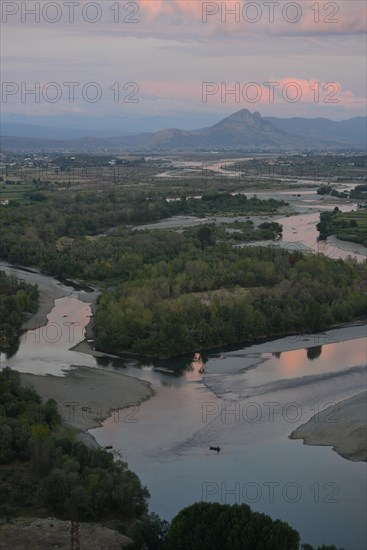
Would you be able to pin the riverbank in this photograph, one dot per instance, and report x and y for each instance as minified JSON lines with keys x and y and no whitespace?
{"x":49,"y":290}
{"x":342,"y":426}
{"x":277,"y":343}
{"x":88,"y":349}
{"x":87,"y":396}
{"x":348,"y":246}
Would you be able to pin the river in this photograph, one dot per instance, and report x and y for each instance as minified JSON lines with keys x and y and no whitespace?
{"x":299,"y":231}
{"x":248,"y":401}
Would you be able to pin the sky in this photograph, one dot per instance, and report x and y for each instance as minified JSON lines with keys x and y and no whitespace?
{"x":182,"y":60}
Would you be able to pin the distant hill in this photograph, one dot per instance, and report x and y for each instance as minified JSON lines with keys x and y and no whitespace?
{"x":241,"y":130}
{"x":347,"y":132}
{"x":53,"y":132}
{"x":84,"y":144}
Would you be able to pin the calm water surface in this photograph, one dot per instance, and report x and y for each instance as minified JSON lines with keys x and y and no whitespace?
{"x":248,"y":401}
{"x":315,"y":490}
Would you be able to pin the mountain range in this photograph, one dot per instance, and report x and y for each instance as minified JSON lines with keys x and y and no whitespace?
{"x":240,"y":131}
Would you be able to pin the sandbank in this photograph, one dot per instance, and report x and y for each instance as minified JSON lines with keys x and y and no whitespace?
{"x":87,"y":396}
{"x":342,"y":426}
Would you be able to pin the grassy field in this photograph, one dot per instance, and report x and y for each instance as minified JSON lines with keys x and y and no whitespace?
{"x":351,"y":226}
{"x":360,"y":216}
{"x":15,"y":191}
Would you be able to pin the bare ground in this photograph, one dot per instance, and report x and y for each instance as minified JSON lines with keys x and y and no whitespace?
{"x":50,"y":533}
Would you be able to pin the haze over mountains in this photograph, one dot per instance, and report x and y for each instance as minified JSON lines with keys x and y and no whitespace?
{"x":241,"y":130}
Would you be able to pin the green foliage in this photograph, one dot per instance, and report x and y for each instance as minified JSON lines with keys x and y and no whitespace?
{"x":212,"y":526}
{"x":32,"y":238}
{"x":92,"y":488}
{"x":236,"y":231}
{"x":324,"y":190}
{"x":328,"y":190}
{"x":64,"y":475}
{"x":216,"y":203}
{"x":359,"y":192}
{"x":17,"y":300}
{"x":348,"y":226}
{"x":37,"y":196}
{"x":149,"y":532}
{"x":181,"y":299}
{"x":24,"y":423}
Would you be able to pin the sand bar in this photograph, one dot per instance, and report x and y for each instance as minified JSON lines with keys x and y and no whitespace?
{"x":49,"y":288}
{"x":87,"y":396}
{"x":342,"y":426}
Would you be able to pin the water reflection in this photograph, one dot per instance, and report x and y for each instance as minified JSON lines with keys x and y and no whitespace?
{"x":196,"y":367}
{"x":47,"y":349}
{"x":314,"y":353}
{"x":10,"y":351}
{"x":169,"y":445}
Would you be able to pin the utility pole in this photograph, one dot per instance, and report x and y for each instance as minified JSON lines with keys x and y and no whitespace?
{"x":74,"y":535}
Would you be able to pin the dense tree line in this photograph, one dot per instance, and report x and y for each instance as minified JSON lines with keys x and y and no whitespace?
{"x":17,"y":300}
{"x":59,"y":474}
{"x":347,"y":226}
{"x":215,"y":203}
{"x":303,"y":166}
{"x":328,"y":190}
{"x":54,"y":234}
{"x":75,"y":214}
{"x":240,"y":231}
{"x":214,"y":526}
{"x":201,"y":298}
{"x":359,"y":192}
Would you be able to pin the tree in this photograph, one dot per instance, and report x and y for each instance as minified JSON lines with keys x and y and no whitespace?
{"x":40,"y":447}
{"x":214,"y":526}
{"x":205,"y":236}
{"x":52,"y":415}
{"x":150,"y":532}
{"x":6,"y":443}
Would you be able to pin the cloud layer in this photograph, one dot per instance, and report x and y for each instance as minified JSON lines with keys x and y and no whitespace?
{"x":171,"y":48}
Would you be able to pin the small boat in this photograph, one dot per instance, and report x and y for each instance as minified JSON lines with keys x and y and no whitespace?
{"x":214,"y":449}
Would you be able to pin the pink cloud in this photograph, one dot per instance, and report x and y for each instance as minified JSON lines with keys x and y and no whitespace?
{"x":158,"y":7}
{"x":285,"y":92}
{"x":201,"y":19}
{"x":275,"y":91}
{"x":260,"y":17}
{"x":189,"y":89}
{"x":314,"y":91}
